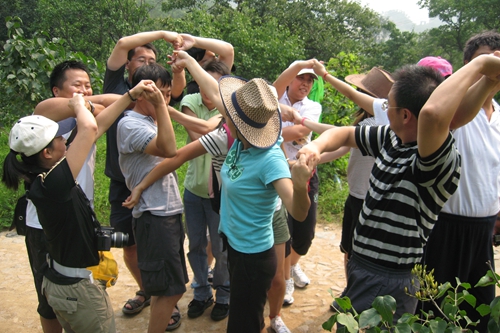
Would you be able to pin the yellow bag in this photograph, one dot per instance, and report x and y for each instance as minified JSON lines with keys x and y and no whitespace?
{"x":107,"y":270}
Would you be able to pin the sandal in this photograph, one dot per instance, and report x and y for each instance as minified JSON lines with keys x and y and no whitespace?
{"x":135,"y":304}
{"x":176,"y":316}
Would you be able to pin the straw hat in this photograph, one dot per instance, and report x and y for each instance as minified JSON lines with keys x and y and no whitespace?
{"x":253,"y":108}
{"x":377,"y":82}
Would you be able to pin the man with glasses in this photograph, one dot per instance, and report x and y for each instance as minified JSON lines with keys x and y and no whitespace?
{"x":130,"y":53}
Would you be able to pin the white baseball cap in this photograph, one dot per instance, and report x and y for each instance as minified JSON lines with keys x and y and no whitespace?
{"x":31,"y":134}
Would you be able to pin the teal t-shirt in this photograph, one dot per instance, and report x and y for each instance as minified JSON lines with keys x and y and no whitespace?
{"x":196,"y":180}
{"x":248,"y":197}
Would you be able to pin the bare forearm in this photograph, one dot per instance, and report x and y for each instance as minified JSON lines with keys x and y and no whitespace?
{"x":178,"y":83}
{"x":165,"y":141}
{"x":363,"y":100}
{"x":294,"y":132}
{"x":108,"y":116}
{"x":301,"y":202}
{"x":223,"y":49}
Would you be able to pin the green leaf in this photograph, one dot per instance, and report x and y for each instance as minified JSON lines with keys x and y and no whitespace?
{"x":443,"y":289}
{"x":408,"y":318}
{"x":344,"y":303}
{"x":450,"y":310}
{"x":437,"y":325}
{"x":386,"y":306}
{"x":348,"y":321}
{"x":471,"y":299}
{"x":369,"y":318}
{"x":485,"y":281}
{"x":495,"y":308}
{"x":419,"y":328}
{"x":483,"y":309}
{"x":402,"y":328}
{"x":328,"y":325}
{"x":493,"y":326}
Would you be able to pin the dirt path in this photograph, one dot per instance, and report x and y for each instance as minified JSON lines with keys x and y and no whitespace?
{"x":323,"y":265}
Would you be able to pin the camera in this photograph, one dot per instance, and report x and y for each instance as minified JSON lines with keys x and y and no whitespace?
{"x":107,"y":237}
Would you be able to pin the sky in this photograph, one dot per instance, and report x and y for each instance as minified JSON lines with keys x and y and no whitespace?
{"x":410,"y":7}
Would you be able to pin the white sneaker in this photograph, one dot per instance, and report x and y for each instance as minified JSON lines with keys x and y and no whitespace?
{"x":279,"y":326}
{"x":299,"y":277}
{"x":288,"y":300}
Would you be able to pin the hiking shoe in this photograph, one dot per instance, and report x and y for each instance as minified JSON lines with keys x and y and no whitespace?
{"x":220,"y":311}
{"x":210,"y":274}
{"x":279,"y":326}
{"x":196,"y":308}
{"x":299,"y":277}
{"x":288,"y":300}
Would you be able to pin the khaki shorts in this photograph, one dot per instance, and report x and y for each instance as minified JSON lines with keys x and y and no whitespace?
{"x":82,"y":307}
{"x":280,"y":226}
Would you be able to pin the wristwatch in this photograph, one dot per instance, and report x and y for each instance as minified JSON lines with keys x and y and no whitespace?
{"x":92,"y":108}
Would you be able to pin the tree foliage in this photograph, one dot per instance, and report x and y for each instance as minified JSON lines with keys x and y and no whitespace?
{"x":25,"y":67}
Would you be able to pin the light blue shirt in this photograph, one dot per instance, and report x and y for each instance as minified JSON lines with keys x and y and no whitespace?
{"x":248,"y":197}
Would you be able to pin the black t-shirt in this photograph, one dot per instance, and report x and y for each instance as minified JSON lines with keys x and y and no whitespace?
{"x":66,"y":217}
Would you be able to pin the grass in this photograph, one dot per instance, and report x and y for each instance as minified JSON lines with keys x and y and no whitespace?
{"x":331,"y":198}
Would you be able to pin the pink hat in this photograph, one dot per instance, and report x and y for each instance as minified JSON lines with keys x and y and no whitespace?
{"x":438,"y":63}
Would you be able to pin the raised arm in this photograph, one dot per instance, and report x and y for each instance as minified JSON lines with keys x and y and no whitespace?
{"x":330,"y":140}
{"x":85,"y":137}
{"x":223,"y":49}
{"x":363,"y":100}
{"x":437,"y":114}
{"x":210,"y":86}
{"x":290,"y":73}
{"x":294,"y":192}
{"x":184,"y":154}
{"x":195,"y":124}
{"x":163,"y":144}
{"x":118,"y":56}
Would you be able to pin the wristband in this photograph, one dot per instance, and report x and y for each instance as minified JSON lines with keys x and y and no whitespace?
{"x":324,"y":75}
{"x":130,"y":95}
{"x":302,"y":121}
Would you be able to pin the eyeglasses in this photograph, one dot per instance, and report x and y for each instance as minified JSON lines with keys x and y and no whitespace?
{"x":386,"y":107}
{"x":143,"y":60}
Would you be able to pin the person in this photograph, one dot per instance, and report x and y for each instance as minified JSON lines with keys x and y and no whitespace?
{"x":463,"y":232}
{"x":248,"y":231}
{"x":442,"y":65}
{"x":293,"y":86}
{"x":67,"y":78}
{"x":78,"y":303}
{"x":416,"y":170}
{"x":205,"y":50}
{"x":129,"y":53}
{"x":145,"y":137}
{"x":376,"y":84}
{"x":199,"y":213}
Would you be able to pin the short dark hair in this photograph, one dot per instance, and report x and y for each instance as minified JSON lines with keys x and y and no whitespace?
{"x":58,"y":75}
{"x":216,"y":66}
{"x":197,"y":53}
{"x":154,"y":72}
{"x":413,"y":85}
{"x":487,"y":38}
{"x":149,"y":46}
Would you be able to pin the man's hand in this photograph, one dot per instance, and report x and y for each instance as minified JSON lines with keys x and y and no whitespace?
{"x":301,"y":171}
{"x":76,"y":100}
{"x":311,"y":154}
{"x":319,"y":68}
{"x":287,"y":112}
{"x":144,"y":85}
{"x":175,"y":39}
{"x":189,"y":42}
{"x":153,"y":95}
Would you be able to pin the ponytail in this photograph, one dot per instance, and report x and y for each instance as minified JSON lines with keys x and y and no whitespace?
{"x":15,"y":170}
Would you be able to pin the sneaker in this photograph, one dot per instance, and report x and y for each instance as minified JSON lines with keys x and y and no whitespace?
{"x":220,"y":311}
{"x":279,"y":326}
{"x":288,"y":300}
{"x":299,"y":277}
{"x":210,"y":274}
{"x":196,"y":308}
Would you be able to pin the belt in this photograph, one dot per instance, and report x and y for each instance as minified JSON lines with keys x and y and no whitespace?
{"x":71,"y":272}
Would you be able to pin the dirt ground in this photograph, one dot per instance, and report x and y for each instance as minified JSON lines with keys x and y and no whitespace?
{"x":323,"y":265}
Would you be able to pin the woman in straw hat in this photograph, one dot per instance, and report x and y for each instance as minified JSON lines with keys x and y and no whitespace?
{"x":254,"y":174}
{"x":38,"y":155}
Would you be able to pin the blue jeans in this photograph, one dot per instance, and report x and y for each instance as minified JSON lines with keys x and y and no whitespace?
{"x":200,"y":215}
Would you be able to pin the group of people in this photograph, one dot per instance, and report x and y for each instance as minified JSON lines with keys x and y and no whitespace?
{"x":253,"y":139}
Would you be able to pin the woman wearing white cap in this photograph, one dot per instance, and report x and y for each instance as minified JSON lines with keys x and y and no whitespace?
{"x":38,"y":155}
{"x":254,"y":173}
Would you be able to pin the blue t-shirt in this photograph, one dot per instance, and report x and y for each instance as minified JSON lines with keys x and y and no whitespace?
{"x":248,"y":197}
